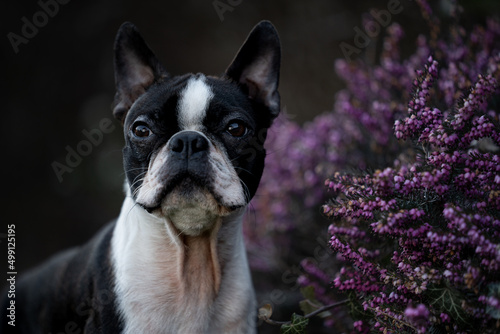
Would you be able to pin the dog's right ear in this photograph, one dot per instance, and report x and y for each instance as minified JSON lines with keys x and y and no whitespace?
{"x":136,"y":69}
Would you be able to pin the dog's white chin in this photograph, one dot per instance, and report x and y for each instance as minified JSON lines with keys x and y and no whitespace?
{"x":192,"y":212}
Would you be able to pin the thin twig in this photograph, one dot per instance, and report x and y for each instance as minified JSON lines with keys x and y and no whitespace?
{"x":393,"y":318}
{"x":307,"y":316}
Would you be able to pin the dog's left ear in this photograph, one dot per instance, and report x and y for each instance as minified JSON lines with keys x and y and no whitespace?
{"x":136,"y":69}
{"x":256,"y":67}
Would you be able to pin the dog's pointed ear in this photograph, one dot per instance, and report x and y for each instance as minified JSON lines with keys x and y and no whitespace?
{"x":136,"y":69}
{"x":256,"y":67}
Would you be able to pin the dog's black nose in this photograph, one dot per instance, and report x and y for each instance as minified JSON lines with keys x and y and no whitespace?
{"x":188,"y":144}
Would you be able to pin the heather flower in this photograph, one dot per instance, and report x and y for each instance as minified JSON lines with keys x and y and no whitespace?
{"x":418,"y":317}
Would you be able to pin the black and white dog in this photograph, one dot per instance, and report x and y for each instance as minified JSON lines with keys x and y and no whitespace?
{"x":174,"y":261}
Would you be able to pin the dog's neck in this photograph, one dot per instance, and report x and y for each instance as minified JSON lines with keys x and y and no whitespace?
{"x":163,"y":276}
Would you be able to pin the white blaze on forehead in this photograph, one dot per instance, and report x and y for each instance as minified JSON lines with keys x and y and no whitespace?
{"x":193,"y":103}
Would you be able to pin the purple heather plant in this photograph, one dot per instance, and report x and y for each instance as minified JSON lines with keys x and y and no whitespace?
{"x":420,"y":241}
{"x":417,"y":245}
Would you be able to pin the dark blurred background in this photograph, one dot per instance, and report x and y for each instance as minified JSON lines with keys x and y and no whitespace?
{"x":60,"y":83}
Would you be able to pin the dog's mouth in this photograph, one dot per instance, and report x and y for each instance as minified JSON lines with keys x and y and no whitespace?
{"x":183,"y":185}
{"x":192,"y":209}
{"x":191,"y":205}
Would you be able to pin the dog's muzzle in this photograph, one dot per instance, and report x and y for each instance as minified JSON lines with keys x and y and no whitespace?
{"x":189,"y":201}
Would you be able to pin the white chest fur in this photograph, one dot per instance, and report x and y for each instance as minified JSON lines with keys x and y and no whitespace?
{"x":166,"y":283}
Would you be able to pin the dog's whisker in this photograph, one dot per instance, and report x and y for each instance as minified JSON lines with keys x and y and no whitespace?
{"x":246,"y":192}
{"x":131,"y":208}
{"x":124,"y":173}
{"x":243,"y":169}
{"x":138,"y":179}
{"x":145,"y":192}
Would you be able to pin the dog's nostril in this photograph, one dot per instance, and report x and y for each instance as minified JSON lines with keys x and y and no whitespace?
{"x":199,"y":144}
{"x":178,"y":145}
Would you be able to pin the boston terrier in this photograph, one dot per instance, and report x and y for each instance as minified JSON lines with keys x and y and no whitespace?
{"x":174,"y":261}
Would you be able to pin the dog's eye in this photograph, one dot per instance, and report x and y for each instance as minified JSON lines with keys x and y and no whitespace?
{"x":142,"y":131}
{"x":237,"y":129}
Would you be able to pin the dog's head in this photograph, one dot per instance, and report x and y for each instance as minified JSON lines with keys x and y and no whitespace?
{"x":194,"y":143}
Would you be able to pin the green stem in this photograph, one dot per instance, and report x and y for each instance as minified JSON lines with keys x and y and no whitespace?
{"x":307,"y":316}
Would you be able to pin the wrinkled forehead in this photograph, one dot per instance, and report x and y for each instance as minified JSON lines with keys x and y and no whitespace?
{"x":189,"y":100}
